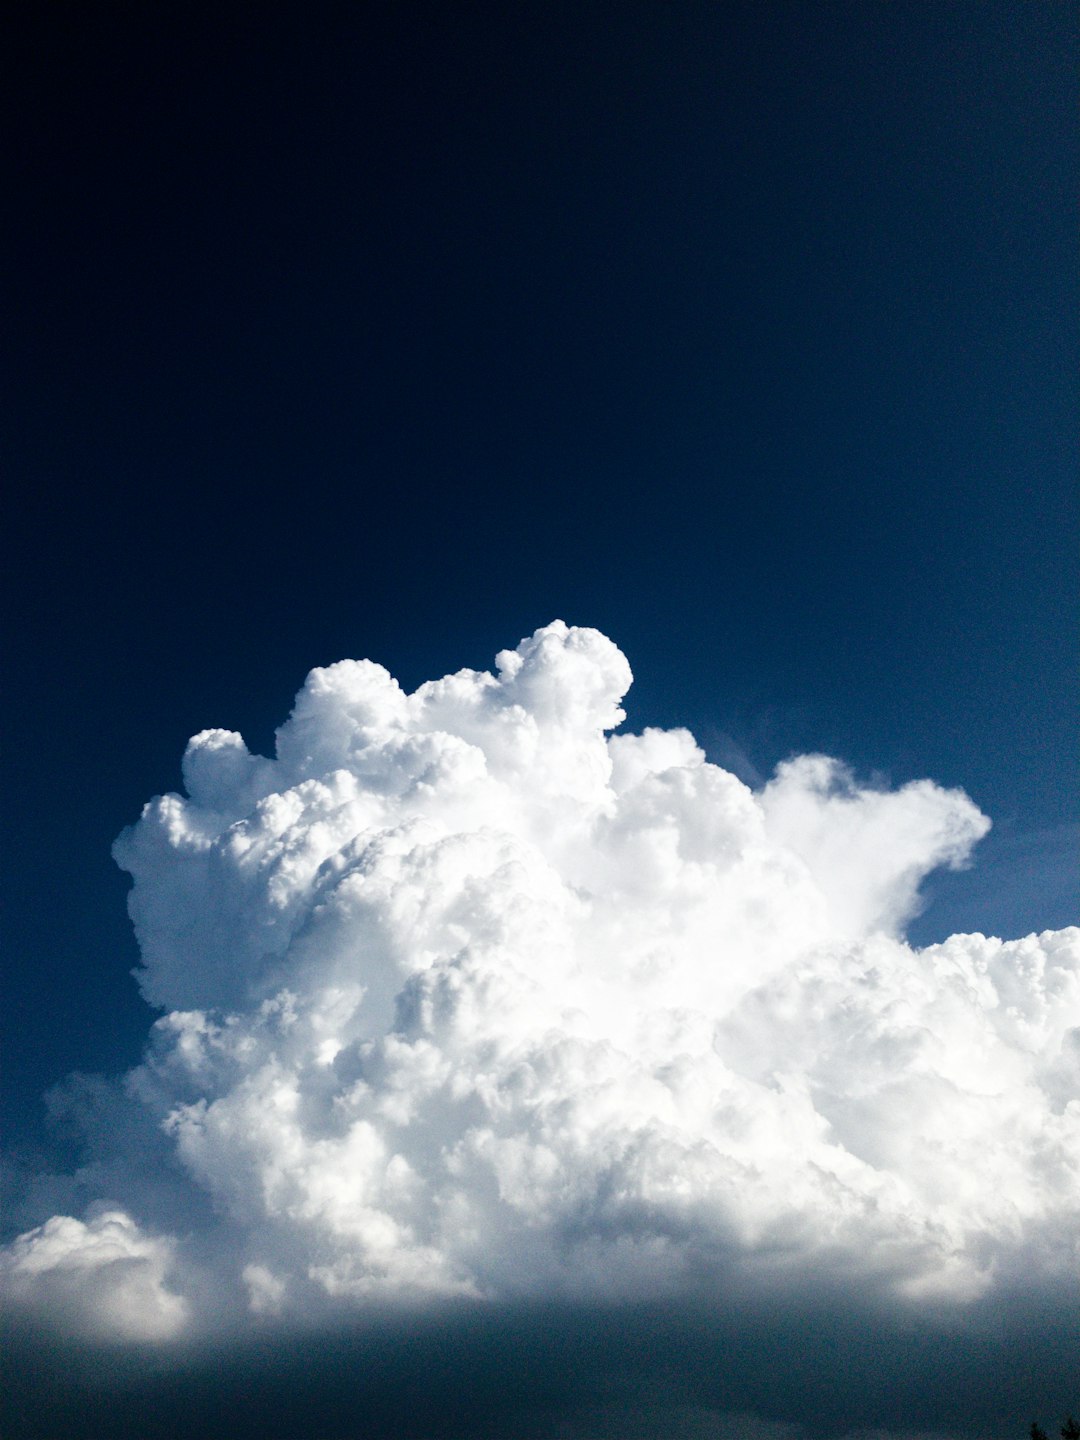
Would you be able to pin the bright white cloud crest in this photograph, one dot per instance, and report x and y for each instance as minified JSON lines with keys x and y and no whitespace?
{"x":466,"y":996}
{"x":102,"y":1277}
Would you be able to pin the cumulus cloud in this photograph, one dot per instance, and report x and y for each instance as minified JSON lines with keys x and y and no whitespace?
{"x":105,"y":1278}
{"x":466,"y":997}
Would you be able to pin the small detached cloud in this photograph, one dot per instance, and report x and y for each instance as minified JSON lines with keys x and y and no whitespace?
{"x":104,"y":1279}
{"x":468,"y":999}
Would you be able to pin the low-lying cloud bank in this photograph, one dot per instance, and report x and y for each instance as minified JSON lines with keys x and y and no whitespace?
{"x":468,"y":1001}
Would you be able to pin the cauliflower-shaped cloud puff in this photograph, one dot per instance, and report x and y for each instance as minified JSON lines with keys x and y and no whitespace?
{"x":467,"y":996}
{"x":104,"y":1278}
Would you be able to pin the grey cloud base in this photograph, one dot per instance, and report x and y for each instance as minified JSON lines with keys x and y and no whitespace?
{"x":470,"y":1003}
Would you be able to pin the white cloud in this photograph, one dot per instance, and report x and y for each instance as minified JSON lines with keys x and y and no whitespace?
{"x":868,"y":849}
{"x":105,"y":1279}
{"x":466,"y":997}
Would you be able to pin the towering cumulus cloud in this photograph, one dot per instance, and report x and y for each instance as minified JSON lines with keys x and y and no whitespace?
{"x":466,"y":996}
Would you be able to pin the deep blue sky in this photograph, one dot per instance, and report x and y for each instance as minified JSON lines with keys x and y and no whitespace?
{"x":742,"y":332}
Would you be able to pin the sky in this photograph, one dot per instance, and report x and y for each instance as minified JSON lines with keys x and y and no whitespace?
{"x":727,"y":347}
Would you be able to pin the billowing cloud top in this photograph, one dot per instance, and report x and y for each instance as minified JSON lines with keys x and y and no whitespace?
{"x":467,"y":996}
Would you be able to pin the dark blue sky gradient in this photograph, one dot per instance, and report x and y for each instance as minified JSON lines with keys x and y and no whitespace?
{"x":742,"y":332}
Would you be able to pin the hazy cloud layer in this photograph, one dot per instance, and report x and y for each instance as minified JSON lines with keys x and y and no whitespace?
{"x":468,"y":1000}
